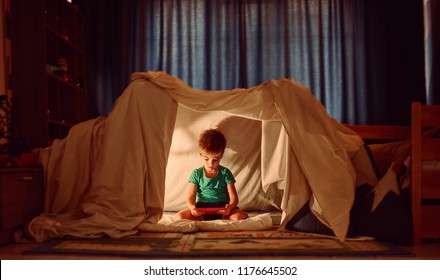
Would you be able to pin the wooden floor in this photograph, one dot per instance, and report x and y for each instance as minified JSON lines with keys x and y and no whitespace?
{"x":429,"y":250}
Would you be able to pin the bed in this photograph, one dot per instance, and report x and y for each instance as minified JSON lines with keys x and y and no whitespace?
{"x":415,"y":152}
{"x":117,"y":175}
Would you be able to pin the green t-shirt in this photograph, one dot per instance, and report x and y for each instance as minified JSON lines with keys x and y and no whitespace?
{"x":212,"y":189}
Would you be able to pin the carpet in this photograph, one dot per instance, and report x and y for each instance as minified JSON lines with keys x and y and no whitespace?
{"x":220,"y":244}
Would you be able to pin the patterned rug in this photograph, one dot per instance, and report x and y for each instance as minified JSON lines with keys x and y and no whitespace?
{"x":221,"y":244}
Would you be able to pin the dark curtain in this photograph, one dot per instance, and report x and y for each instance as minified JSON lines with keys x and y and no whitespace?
{"x":363,"y":59}
{"x":432,"y":50}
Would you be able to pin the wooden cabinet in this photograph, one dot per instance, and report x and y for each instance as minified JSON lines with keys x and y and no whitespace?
{"x":21,"y":199}
{"x":49,"y":70}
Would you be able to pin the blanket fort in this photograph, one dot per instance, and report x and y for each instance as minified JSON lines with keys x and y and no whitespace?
{"x":107,"y":177}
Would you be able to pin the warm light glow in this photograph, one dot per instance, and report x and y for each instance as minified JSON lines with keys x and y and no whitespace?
{"x":70,"y":1}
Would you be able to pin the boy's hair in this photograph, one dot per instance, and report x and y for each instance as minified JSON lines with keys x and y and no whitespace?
{"x":212,"y":141}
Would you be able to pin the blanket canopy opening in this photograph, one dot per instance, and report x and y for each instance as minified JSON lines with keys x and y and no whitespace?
{"x":242,"y":156}
{"x":112,"y":174}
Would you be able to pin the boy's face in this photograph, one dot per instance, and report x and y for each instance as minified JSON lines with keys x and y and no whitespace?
{"x":211,"y":161}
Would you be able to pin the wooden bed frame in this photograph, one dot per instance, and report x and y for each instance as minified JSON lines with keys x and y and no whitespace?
{"x":382,"y":132}
{"x":425,"y":183}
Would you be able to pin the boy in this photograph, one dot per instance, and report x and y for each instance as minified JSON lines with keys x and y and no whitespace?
{"x":212,"y":185}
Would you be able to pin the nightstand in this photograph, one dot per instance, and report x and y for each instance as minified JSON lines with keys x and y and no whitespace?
{"x":21,"y":198}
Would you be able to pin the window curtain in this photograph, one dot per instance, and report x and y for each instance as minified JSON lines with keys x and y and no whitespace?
{"x":432,"y":50}
{"x":362,"y":59}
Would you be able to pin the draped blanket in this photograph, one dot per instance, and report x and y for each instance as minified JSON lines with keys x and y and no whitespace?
{"x":107,"y":177}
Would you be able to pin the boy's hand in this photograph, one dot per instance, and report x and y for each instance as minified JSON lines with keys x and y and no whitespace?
{"x":194,"y":212}
{"x":227,"y":211}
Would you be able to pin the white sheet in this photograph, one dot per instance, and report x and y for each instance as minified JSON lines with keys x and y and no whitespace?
{"x":108,"y":176}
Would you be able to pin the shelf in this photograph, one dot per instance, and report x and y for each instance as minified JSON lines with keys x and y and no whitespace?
{"x":65,"y":47}
{"x":49,"y":71}
{"x":67,"y":21}
{"x":76,"y":86}
{"x":65,"y":40}
{"x":60,"y":123}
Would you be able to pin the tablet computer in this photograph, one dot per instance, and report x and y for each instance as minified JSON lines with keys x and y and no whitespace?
{"x":210,"y":210}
